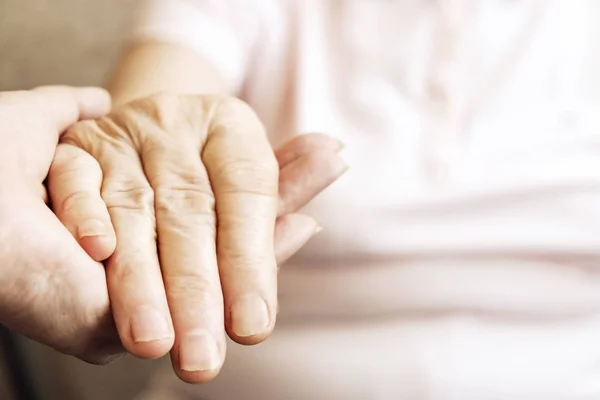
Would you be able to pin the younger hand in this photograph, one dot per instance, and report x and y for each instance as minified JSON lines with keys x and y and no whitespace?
{"x":50,"y":289}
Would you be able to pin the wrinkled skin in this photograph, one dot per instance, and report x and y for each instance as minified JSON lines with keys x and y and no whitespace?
{"x":184,"y":198}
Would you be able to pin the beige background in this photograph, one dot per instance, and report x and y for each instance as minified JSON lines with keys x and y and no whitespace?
{"x":67,"y":42}
{"x":59,"y":41}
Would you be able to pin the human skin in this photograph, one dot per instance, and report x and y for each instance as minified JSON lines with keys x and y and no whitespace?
{"x":55,"y":293}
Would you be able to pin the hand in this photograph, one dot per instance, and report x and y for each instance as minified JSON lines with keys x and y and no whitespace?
{"x":191,"y":186}
{"x":50,"y":289}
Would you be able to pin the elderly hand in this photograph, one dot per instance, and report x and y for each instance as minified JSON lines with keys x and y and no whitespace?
{"x":191,"y":186}
{"x":50,"y":289}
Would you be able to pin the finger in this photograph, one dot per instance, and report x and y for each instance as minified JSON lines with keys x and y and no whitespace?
{"x":307,"y":176}
{"x":244,"y":172}
{"x":67,"y":104}
{"x":186,"y":222}
{"x":57,"y":106}
{"x":292,"y":231}
{"x":74,"y":182}
{"x":302,"y":145}
{"x":46,"y":113}
{"x":133,"y":273}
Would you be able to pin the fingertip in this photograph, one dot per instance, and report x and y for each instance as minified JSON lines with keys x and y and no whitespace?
{"x":149,"y":333}
{"x":91,"y":228}
{"x":251,"y":320}
{"x":292,"y":232}
{"x":249,"y":340}
{"x":96,"y":238}
{"x":93,"y":102}
{"x":152,"y":349}
{"x":199,"y":356}
{"x":99,"y":248}
{"x":196,"y":377}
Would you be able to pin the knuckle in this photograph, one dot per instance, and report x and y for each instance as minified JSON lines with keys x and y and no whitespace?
{"x":264,"y":167}
{"x":160,"y":106}
{"x":72,"y":167}
{"x":247,"y":264}
{"x":249,"y":176}
{"x":197,"y":199}
{"x":74,"y":200}
{"x":231,"y":112}
{"x":85,"y":124}
{"x":130,"y":197}
{"x":194,"y":281}
{"x":232,"y":103}
{"x":195,"y":287}
{"x":77,"y":131}
{"x":159,"y":117}
{"x":163,"y":98}
{"x":250,"y":260}
{"x":123,"y":269}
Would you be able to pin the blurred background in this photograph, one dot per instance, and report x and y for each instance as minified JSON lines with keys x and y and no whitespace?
{"x":59,"y":41}
{"x":64,"y":42}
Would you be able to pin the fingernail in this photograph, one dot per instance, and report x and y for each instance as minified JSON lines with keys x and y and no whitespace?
{"x":148,"y":325}
{"x":91,"y":227}
{"x":199,"y":351}
{"x":340,"y":144}
{"x":250,"y":316}
{"x":318,"y":229}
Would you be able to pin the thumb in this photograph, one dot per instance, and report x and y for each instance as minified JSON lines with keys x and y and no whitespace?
{"x":31,"y":122}
{"x":53,"y":107}
{"x":64,"y":105}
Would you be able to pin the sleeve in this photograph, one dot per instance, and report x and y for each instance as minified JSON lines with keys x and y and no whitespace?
{"x":223,"y":31}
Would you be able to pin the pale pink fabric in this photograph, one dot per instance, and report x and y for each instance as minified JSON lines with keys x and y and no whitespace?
{"x":461,"y":253}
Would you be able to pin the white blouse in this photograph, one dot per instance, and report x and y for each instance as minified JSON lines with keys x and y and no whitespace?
{"x":472,"y":133}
